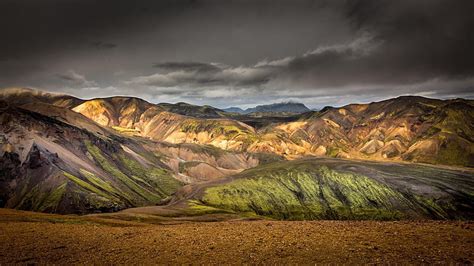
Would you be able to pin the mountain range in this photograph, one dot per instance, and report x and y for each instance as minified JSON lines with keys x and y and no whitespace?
{"x":284,"y":107}
{"x":63,"y":154}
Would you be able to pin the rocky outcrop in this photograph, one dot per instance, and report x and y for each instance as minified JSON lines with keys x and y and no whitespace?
{"x":53,"y":166}
{"x":406,"y":128}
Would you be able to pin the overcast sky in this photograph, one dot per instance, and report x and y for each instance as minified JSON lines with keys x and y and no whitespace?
{"x":240,"y":53}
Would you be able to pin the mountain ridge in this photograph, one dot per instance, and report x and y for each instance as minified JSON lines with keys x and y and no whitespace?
{"x":282,"y":107}
{"x":56,"y":160}
{"x":406,"y":128}
{"x":67,"y":155}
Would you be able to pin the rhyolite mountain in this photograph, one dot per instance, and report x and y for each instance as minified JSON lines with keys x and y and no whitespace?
{"x":407,"y":128}
{"x":68,"y":155}
{"x":284,"y":107}
{"x":56,"y":160}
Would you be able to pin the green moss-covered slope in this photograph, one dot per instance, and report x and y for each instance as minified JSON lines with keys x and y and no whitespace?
{"x":137,"y":183}
{"x":313,"y":189}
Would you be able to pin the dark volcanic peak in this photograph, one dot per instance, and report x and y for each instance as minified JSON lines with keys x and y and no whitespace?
{"x":283,"y":107}
{"x":234,"y":110}
{"x":182,"y":108}
{"x":19,"y":96}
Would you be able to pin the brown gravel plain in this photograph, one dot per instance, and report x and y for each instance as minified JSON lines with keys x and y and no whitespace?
{"x":27,"y":237}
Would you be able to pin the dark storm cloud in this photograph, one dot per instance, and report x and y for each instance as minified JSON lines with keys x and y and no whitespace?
{"x":74,"y":78}
{"x":199,"y":74}
{"x":194,"y":74}
{"x":418,"y":41}
{"x":219,"y":51}
{"x":29,"y":27}
{"x":103,"y":45}
{"x":403,"y":44}
{"x":186,"y":66}
{"x":426,"y":36}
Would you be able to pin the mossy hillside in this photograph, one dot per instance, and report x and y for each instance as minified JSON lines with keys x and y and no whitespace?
{"x":197,"y":208}
{"x":99,"y":183}
{"x":86,"y":185}
{"x":85,"y":202}
{"x":54,"y":198}
{"x":305,"y":193}
{"x":266,"y":158}
{"x":453,"y":119}
{"x":43,"y":201}
{"x":146,"y":195}
{"x":449,"y":128}
{"x":452,"y":192}
{"x":455,"y":151}
{"x":158,"y":179}
{"x":73,"y":195}
{"x":91,"y":194}
{"x":432,"y":208}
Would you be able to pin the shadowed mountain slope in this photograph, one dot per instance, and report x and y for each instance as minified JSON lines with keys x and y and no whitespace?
{"x":336,"y":189}
{"x":181,"y":108}
{"x":49,"y":165}
{"x":407,"y":128}
{"x":19,"y":96}
{"x":284,"y":107}
{"x":62,"y":154}
{"x":141,"y":118}
{"x":56,"y":160}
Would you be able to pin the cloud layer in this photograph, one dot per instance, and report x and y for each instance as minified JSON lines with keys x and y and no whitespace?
{"x":355,"y":69}
{"x":73,"y":78}
{"x":241,"y":53}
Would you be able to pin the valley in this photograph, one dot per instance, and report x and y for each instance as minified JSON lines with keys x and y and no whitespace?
{"x":61,"y":154}
{"x":204,"y":132}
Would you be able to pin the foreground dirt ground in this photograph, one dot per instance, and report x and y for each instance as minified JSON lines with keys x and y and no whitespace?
{"x":27,"y":237}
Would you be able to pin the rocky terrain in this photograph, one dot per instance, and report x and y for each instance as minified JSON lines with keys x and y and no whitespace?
{"x":50,"y":165}
{"x":56,"y":160}
{"x":33,"y":238}
{"x":68,"y":155}
{"x":340,"y":190}
{"x":328,"y":189}
{"x":407,"y":128}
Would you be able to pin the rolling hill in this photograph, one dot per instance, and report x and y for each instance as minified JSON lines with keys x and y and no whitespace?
{"x":68,"y":155}
{"x":406,"y":128}
{"x":412,"y":129}
{"x":56,"y":160}
{"x":336,"y":189}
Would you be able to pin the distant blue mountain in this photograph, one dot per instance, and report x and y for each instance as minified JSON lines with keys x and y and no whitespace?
{"x":287,"y":107}
{"x":234,"y":110}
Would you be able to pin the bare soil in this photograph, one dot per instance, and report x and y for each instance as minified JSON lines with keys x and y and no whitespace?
{"x":27,"y":237}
